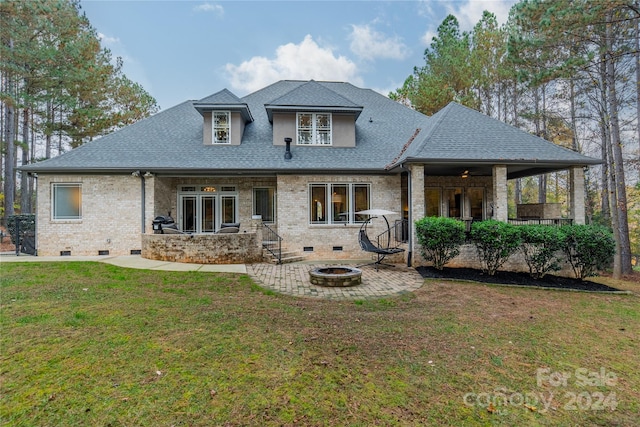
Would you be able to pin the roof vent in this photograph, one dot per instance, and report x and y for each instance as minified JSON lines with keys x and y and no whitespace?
{"x":287,"y":153}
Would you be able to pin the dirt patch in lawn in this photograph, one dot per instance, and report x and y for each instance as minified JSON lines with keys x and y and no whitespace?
{"x":515,"y":279}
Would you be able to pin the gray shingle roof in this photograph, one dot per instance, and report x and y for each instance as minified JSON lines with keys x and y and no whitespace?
{"x":223,"y":100}
{"x":224,"y":97}
{"x":460,"y":133}
{"x":313,"y":97}
{"x":172,"y":140}
{"x":313,"y":94}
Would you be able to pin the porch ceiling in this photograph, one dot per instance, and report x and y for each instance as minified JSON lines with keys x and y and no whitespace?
{"x":519,"y":170}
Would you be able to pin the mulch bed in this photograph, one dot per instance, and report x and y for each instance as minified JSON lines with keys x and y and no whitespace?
{"x":514,"y":278}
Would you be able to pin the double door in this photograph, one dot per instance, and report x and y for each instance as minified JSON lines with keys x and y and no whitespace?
{"x":203,"y":213}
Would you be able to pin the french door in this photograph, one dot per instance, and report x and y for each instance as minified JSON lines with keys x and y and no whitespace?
{"x":203,"y":213}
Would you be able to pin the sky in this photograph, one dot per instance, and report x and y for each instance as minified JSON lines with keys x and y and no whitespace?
{"x":182,"y":50}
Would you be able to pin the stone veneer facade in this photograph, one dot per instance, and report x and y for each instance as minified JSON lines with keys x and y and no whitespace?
{"x":203,"y":248}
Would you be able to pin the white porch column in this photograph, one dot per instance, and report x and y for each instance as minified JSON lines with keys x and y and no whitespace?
{"x":500,"y":206}
{"x":576,"y":194}
{"x":417,"y":207}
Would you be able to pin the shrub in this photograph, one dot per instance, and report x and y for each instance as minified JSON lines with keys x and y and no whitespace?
{"x":589,"y":248}
{"x":540,"y":246}
{"x":495,"y":242}
{"x":440,"y":239}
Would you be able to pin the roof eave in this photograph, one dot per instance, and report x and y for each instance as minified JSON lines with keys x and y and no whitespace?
{"x":243,"y":109}
{"x":163,"y":171}
{"x":578,"y":162}
{"x":311,"y":108}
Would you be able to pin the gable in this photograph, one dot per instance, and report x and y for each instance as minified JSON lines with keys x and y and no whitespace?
{"x":312,"y":97}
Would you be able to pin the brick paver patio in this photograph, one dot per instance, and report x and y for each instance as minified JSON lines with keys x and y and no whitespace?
{"x":293,"y":279}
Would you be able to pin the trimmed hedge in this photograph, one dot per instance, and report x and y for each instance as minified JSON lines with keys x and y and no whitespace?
{"x":495,"y":242}
{"x":588,"y":248}
{"x":540,"y":246}
{"x":440,"y":239}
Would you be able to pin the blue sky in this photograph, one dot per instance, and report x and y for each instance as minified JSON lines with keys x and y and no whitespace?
{"x":184,"y":49}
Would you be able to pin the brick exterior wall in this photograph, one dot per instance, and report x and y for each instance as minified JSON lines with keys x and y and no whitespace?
{"x":111,"y":216}
{"x":167,"y":193}
{"x":111,"y":213}
{"x":295,"y":228}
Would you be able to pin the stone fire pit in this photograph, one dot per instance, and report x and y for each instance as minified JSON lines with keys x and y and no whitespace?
{"x":339,"y":276}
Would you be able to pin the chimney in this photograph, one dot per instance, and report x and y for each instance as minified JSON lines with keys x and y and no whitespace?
{"x":287,"y":153}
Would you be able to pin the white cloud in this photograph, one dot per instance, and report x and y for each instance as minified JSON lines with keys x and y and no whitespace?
{"x":425,"y":8}
{"x":208,"y":7}
{"x":469,"y":12}
{"x":427,"y":37}
{"x":303,"y":61}
{"x":369,"y":44}
{"x":106,"y":40}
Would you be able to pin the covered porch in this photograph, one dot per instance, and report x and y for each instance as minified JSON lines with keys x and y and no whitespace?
{"x":476,"y":191}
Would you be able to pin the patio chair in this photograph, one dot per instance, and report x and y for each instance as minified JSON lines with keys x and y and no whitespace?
{"x":381,"y":253}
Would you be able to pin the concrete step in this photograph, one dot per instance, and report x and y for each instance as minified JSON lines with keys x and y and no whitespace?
{"x":285,"y":257}
{"x":290,"y":259}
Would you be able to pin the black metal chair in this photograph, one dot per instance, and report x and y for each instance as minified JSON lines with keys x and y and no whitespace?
{"x":367,"y":245}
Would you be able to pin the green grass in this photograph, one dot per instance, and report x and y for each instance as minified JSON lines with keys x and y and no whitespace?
{"x":92,"y":344}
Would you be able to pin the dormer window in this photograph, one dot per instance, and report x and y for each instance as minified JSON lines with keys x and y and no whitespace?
{"x":314,"y":128}
{"x":221,"y":127}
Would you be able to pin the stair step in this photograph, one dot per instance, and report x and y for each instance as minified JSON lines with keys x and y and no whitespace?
{"x":288,"y":259}
{"x":285,"y":257}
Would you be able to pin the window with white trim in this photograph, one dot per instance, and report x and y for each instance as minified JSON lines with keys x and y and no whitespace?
{"x":221,"y":127}
{"x":66,"y":201}
{"x":313,"y":128}
{"x":338,"y":203}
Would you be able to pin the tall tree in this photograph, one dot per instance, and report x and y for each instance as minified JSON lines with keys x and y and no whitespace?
{"x":446,"y":75}
{"x":488,"y":50}
{"x":55,"y":72}
{"x":576,"y":34}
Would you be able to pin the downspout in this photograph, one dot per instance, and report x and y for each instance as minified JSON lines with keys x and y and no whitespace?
{"x":410,"y":219}
{"x":142,"y":197}
{"x":143,"y":187}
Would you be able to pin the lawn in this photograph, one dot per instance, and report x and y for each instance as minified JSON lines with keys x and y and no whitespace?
{"x":90,"y":344}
